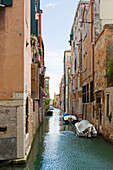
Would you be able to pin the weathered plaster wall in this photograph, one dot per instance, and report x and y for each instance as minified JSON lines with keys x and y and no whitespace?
{"x":100,"y":63}
{"x":15,"y":82}
{"x":12,"y":117}
{"x":11,"y":49}
{"x":103,"y":51}
{"x":8,"y":138}
{"x":108,"y":127}
{"x":27,"y":48}
{"x":97,"y":21}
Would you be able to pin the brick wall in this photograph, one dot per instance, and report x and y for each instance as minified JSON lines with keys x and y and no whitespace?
{"x":103,"y":50}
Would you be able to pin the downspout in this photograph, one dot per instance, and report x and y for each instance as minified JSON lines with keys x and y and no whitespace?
{"x":40,"y":37}
{"x":92,"y":44}
{"x":64,"y":82}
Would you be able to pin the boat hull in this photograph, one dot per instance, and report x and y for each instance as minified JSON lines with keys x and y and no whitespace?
{"x":70,"y":119}
{"x":49,"y":112}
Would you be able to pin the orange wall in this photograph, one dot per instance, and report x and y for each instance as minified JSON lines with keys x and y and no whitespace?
{"x":13,"y":33}
{"x":27,"y":50}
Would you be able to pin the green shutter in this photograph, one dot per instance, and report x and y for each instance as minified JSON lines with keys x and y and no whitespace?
{"x":34,"y":22}
{"x":7,"y":2}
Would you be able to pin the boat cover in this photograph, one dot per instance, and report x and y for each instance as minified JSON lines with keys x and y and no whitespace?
{"x":65,"y":114}
{"x":73,"y":117}
{"x":70,"y":117}
{"x":51,"y":108}
{"x":67,"y":117}
{"x":83,"y":125}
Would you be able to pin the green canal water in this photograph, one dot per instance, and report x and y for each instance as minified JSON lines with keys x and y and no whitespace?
{"x":56,"y":147}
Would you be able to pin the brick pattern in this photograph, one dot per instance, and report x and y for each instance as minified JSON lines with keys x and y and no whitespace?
{"x":103,"y":50}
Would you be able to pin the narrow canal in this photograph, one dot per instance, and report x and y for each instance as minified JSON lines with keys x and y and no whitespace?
{"x":56,"y":147}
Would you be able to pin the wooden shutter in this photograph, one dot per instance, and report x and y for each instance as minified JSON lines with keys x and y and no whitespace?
{"x":34,"y":81}
{"x":7,"y":2}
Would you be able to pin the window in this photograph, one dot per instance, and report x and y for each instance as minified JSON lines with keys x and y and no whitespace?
{"x":84,"y":94}
{"x":7,"y":2}
{"x":91,"y":91}
{"x":75,"y":64}
{"x":33,"y":105}
{"x":88,"y":93}
{"x":107,"y":105}
{"x":3,"y":129}
{"x":73,"y":45}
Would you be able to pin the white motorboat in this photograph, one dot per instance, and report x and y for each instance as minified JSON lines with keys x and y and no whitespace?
{"x":85,"y":128}
{"x":50,"y":111}
{"x":70,"y":119}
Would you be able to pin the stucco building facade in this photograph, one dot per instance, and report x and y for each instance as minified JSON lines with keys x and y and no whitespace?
{"x":19,"y":81}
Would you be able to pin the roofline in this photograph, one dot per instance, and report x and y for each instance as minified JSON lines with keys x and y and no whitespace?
{"x":80,"y":3}
{"x":67,"y":51}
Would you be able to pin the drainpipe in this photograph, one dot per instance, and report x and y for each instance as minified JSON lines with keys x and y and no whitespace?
{"x":92,"y":44}
{"x":64,"y":83}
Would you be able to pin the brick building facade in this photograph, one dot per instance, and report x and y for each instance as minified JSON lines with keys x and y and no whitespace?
{"x":91,"y":41}
{"x":103,"y":90}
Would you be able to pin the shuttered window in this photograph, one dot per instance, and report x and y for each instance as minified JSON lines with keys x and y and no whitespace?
{"x":75,"y":64}
{"x":84,"y":94}
{"x":88,"y":93}
{"x":7,"y":2}
{"x":73,"y":45}
{"x":34,"y":81}
{"x":34,"y":22}
{"x":91,"y":91}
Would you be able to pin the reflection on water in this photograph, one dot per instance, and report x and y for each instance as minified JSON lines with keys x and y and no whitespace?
{"x":56,"y":147}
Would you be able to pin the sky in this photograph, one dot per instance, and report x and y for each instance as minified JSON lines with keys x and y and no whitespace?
{"x":57,"y":20}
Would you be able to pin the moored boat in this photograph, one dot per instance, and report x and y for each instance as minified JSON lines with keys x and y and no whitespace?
{"x":85,"y":128}
{"x":50,"y":111}
{"x":68,"y":118}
